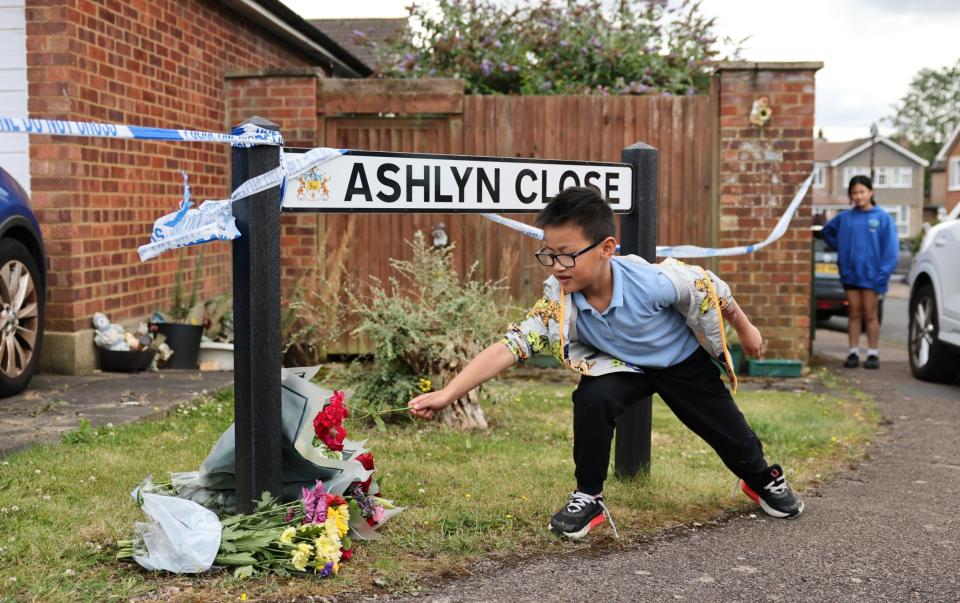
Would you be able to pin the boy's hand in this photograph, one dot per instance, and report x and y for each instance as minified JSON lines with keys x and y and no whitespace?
{"x":424,"y":405}
{"x":750,"y":340}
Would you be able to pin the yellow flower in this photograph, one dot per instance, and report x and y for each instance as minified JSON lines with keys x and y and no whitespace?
{"x":328,"y":549}
{"x":336,"y":567}
{"x":305,"y":548}
{"x":299,"y":560}
{"x":287,"y":536}
{"x":243,"y":596}
{"x":337,"y":518}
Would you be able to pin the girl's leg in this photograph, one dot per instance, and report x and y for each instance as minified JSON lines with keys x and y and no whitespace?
{"x":855,"y":314}
{"x":871,"y":316}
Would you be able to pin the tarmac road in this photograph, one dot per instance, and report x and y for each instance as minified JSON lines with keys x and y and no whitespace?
{"x":885,"y":531}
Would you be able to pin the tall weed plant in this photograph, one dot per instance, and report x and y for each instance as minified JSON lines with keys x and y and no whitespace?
{"x":424,"y":325}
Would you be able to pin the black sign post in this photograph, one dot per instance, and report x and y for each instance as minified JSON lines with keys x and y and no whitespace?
{"x":387,"y":183}
{"x":256,"y":317}
{"x":638,"y":235}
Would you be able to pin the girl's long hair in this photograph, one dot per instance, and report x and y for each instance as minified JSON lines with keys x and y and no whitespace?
{"x":865,"y":181}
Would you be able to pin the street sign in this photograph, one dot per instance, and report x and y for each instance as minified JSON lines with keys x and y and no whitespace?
{"x":364,"y":181}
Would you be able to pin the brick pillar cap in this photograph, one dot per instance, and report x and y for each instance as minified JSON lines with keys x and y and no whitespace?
{"x":769,"y":66}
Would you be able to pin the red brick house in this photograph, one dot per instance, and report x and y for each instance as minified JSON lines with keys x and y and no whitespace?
{"x":161,"y":63}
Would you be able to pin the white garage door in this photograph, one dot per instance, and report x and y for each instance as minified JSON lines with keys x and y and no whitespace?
{"x":14,"y":149}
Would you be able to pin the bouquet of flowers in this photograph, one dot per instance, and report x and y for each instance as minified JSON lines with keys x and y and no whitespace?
{"x":327,"y":477}
{"x":329,"y":435}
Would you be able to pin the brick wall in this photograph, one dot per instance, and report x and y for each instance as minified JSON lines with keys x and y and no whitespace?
{"x":761,"y":169}
{"x":160,"y":63}
{"x":288,"y":98}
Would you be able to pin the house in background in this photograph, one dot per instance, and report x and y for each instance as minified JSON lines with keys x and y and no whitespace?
{"x":361,"y":37}
{"x":897,"y":179}
{"x":945,"y":174}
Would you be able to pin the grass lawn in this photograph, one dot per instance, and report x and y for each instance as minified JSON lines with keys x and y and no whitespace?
{"x":468,"y":496}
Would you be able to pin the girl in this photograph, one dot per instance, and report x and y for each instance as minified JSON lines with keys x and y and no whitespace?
{"x":866,"y":242}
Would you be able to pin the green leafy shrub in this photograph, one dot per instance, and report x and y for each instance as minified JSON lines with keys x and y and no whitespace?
{"x":556,"y":47}
{"x":424,"y":327}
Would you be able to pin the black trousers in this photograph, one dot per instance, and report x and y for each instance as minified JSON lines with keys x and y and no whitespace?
{"x":693,"y":391}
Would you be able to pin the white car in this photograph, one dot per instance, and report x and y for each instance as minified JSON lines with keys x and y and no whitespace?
{"x":934,"y":339}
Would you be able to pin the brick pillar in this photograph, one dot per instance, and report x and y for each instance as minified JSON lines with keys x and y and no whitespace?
{"x":761,"y":168}
{"x":288,"y":98}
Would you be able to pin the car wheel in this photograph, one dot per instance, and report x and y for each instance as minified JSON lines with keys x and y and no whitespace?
{"x":930,"y":359}
{"x":21,"y":316}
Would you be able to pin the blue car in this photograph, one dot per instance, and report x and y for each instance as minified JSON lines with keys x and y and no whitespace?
{"x":23,"y":288}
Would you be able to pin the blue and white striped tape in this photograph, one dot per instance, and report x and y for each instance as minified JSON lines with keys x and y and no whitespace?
{"x":213,"y":220}
{"x":688,"y":251}
{"x":245,"y":135}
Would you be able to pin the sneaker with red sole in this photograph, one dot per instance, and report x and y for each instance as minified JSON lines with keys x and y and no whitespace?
{"x":771,"y":491}
{"x":581,"y":514}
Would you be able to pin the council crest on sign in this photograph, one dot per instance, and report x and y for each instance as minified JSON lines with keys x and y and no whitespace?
{"x":314,"y":186}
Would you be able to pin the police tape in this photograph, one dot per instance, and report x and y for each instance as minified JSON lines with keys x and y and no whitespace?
{"x":245,"y":135}
{"x":213,"y":220}
{"x":688,"y":251}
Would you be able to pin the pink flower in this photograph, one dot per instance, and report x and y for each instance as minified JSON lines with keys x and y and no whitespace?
{"x":378,"y":514}
{"x":314,"y":504}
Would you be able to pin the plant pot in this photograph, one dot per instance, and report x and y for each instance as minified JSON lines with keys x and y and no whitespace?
{"x":125,"y":361}
{"x":215,"y":356}
{"x":183,"y":339}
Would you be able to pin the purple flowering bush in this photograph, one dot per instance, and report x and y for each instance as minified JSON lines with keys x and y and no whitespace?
{"x":557,"y":47}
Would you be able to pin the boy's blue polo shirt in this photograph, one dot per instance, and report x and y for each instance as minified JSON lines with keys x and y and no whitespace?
{"x":640,"y":326}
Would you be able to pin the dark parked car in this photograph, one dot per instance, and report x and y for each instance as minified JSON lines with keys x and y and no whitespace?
{"x":23,"y":287}
{"x":829,"y":298}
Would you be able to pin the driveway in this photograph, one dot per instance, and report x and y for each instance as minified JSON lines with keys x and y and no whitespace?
{"x":885,"y":531}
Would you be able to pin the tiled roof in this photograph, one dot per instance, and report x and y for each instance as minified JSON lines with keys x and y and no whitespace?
{"x":828,"y":151}
{"x":343,"y":32}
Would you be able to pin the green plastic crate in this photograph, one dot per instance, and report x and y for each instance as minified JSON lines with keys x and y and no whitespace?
{"x":774,"y":368}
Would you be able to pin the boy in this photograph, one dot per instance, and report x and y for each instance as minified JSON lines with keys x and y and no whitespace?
{"x":628,"y":327}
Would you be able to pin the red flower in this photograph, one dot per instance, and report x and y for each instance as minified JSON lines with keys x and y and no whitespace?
{"x":346,"y":554}
{"x":327,"y":424}
{"x":366,"y":459}
{"x":371,"y":522}
{"x":335,"y":501}
{"x":333,"y":438}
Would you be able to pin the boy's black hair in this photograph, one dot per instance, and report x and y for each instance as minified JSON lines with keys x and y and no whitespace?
{"x":582,"y":207}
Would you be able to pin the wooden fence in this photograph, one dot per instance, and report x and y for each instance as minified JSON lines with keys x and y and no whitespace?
{"x":436,"y":117}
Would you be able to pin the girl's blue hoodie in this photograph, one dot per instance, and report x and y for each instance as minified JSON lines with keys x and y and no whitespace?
{"x":867,"y":246}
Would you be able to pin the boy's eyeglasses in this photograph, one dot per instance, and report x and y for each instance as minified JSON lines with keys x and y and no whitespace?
{"x":567,"y":260}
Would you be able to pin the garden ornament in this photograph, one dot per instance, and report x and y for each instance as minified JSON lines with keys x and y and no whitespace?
{"x":108,"y":336}
{"x":761,"y":112}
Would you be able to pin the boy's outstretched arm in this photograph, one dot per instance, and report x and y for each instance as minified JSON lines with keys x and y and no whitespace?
{"x":489,"y":363}
{"x":749,"y":335}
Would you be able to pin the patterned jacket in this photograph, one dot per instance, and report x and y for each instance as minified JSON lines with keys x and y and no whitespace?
{"x":552,"y":322}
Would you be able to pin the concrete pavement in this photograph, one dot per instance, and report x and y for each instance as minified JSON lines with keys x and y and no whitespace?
{"x":53,"y":404}
{"x":887,"y":530}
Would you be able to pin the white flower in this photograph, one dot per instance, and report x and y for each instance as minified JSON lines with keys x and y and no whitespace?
{"x":109,"y":425}
{"x":5,"y":463}
{"x":422,"y":491}
{"x":36,"y":471}
{"x":4,"y":510}
{"x":69,"y":572}
{"x":13,"y":578}
{"x":92,"y":478}
{"x":14,"y":508}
